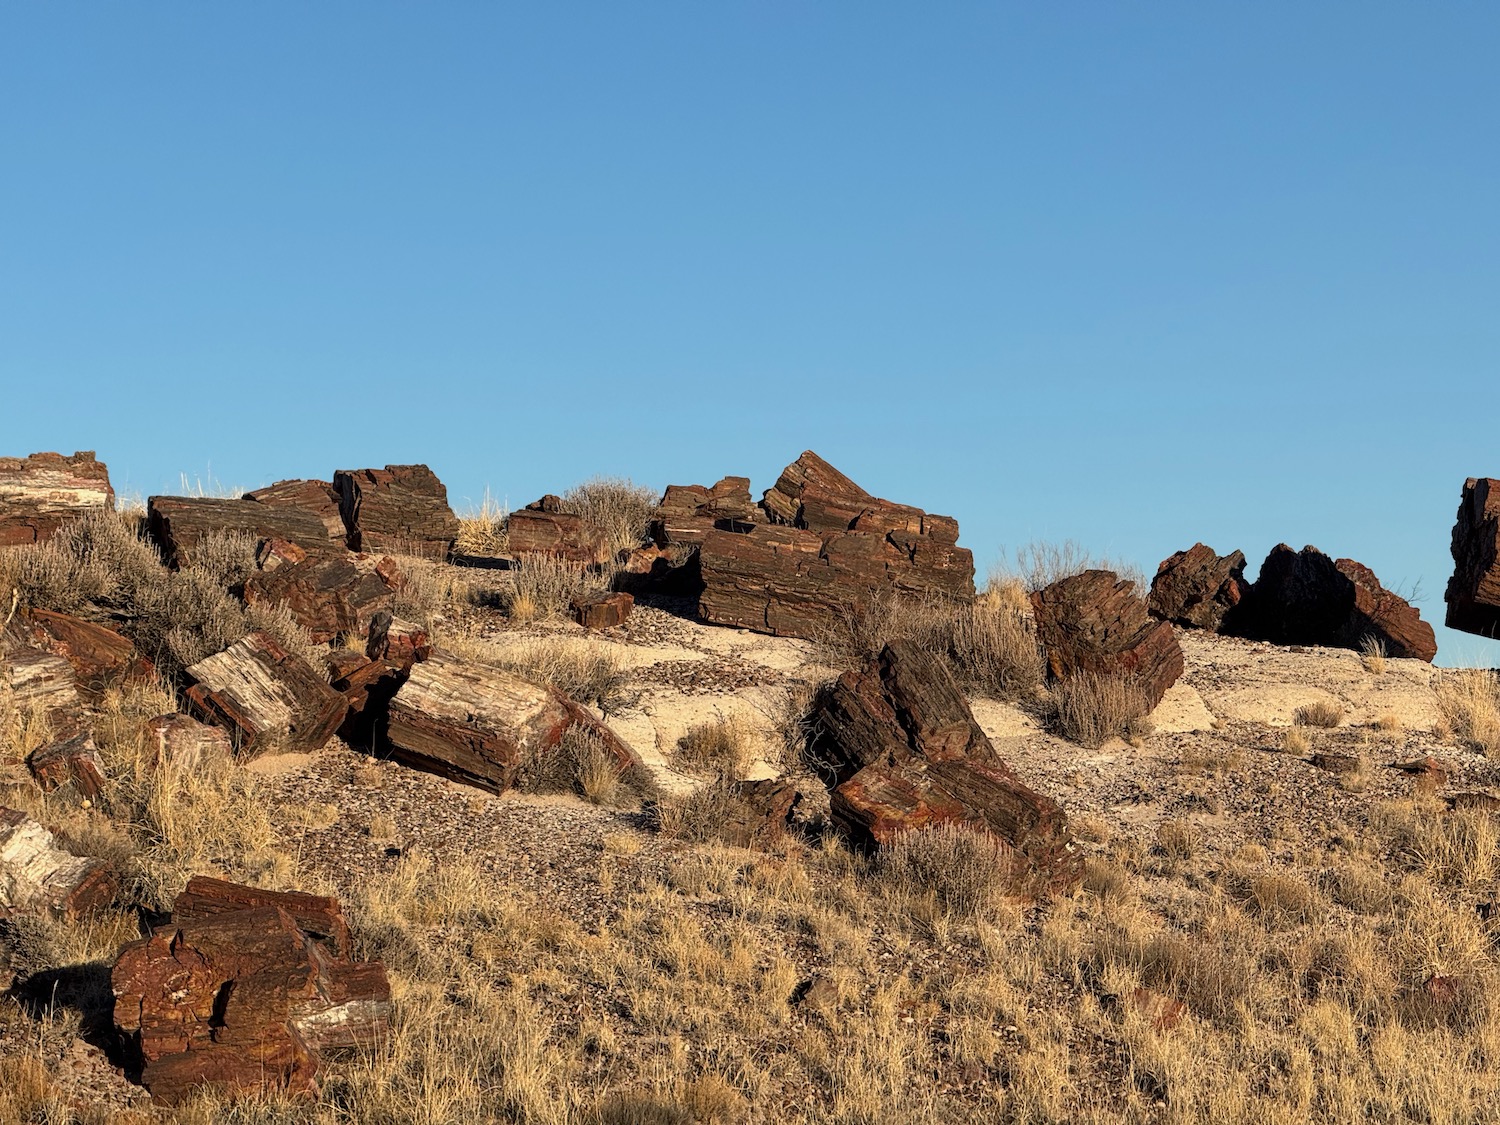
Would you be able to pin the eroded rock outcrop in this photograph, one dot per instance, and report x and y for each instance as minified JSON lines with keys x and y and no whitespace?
{"x":39,"y":493}
{"x":1197,"y":588}
{"x":1473,"y":593}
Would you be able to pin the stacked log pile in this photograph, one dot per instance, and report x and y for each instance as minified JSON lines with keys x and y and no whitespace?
{"x":38,"y":494}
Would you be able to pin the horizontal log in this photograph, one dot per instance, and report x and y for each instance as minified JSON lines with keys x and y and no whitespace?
{"x":38,"y":494}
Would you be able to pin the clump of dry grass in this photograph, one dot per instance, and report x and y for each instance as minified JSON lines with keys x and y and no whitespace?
{"x":1320,"y":714}
{"x":427,"y":590}
{"x":1461,"y":847}
{"x":580,"y":764}
{"x":1039,"y":563}
{"x":617,"y":508}
{"x":963,"y":869}
{"x":481,"y":530}
{"x":1372,"y":654}
{"x":586,"y":672}
{"x":718,"y":748}
{"x":544,"y":586}
{"x":1293,"y":741}
{"x":1092,"y":708}
{"x":1469,"y":701}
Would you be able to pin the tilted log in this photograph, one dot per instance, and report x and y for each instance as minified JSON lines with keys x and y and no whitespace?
{"x":316,"y":496}
{"x":179,"y":523}
{"x":37,"y":876}
{"x":38,"y":494}
{"x":401,"y":508}
{"x":100,"y":657}
{"x":72,"y":760}
{"x":1473,"y":593}
{"x":266,"y":696}
{"x":319,"y":916}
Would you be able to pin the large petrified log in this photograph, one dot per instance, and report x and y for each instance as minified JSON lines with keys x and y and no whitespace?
{"x":1197,"y":588}
{"x":331,"y":596}
{"x":1304,"y":597}
{"x":687,"y":512}
{"x":482,"y":726}
{"x":266,"y":696}
{"x":237,"y":994}
{"x":36,"y":876}
{"x":400,"y":508}
{"x":543,"y":528}
{"x":1473,"y":593}
{"x":38,"y":494}
{"x":101,"y":658}
{"x":179,"y":523}
{"x":902,"y":752}
{"x":1095,"y":623}
{"x":316,"y":496}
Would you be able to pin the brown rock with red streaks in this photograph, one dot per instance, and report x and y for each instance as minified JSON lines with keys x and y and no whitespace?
{"x":401,"y":508}
{"x":1473,"y":593}
{"x":74,"y":760}
{"x":812,"y":494}
{"x":1384,"y":616}
{"x":265,"y":696}
{"x":602,"y":611}
{"x":316,"y":496}
{"x":687,"y":512}
{"x":758,"y":816}
{"x":319,"y":916}
{"x":100,"y":657}
{"x":904,"y":752}
{"x":543,"y":528}
{"x":331,"y":596}
{"x":38,"y":877}
{"x":40,"y":493}
{"x":1196,"y":588}
{"x":179,"y":523}
{"x":1094,"y":623}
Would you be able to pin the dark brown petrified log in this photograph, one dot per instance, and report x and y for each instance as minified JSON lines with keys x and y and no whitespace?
{"x":38,"y":494}
{"x":73,"y":759}
{"x":602,"y":611}
{"x":331,"y":596}
{"x":265,"y":696}
{"x":316,"y":496}
{"x":1473,"y":593}
{"x":179,"y":523}
{"x":100,"y":657}
{"x":1196,"y":588}
{"x":400,"y":508}
{"x":543,"y":528}
{"x":689,"y":511}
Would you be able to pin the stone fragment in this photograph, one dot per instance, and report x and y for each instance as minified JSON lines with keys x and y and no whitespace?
{"x":265,"y":696}
{"x":182,"y":743}
{"x":316,"y":496}
{"x":40,"y":682}
{"x":38,"y":877}
{"x":401,"y":508}
{"x":74,"y":759}
{"x":179,"y":523}
{"x":39,"y":493}
{"x":759,"y":815}
{"x":1196,"y":588}
{"x":1473,"y":593}
{"x":543,"y":528}
{"x":319,"y":916}
{"x":602,"y":611}
{"x":687,"y":512}
{"x":331,"y":596}
{"x":101,"y":658}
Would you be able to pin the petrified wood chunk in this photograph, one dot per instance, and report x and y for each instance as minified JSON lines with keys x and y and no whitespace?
{"x":179,"y":523}
{"x":183,"y":743}
{"x":40,"y":682}
{"x":100,"y":657}
{"x":319,"y":916}
{"x":330,"y":596}
{"x":242,"y":999}
{"x":689,"y":511}
{"x":1196,"y":588}
{"x":316,"y":496}
{"x":36,"y":876}
{"x":401,"y":508}
{"x":38,"y":494}
{"x":72,"y":759}
{"x":758,"y":816}
{"x":812,"y":494}
{"x":543,"y":528}
{"x":602,"y":611}
{"x":1473,"y":593}
{"x":483,"y":726}
{"x":266,"y":696}
{"x":1385,"y":617}
{"x":902,"y":751}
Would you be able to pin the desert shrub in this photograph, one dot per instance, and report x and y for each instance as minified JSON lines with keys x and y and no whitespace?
{"x":1092,"y":707}
{"x":427,"y":589}
{"x":616,"y":507}
{"x":580,"y":764}
{"x":544,"y":586}
{"x":481,"y":530}
{"x":588,"y":673}
{"x":1372,"y":653}
{"x":1469,"y":701}
{"x":964,"y":869}
{"x":719,"y":748}
{"x":1293,"y":741}
{"x":1178,"y":839}
{"x":1038,"y":564}
{"x":699,"y":816}
{"x":225,"y":558}
{"x":1460,"y":847}
{"x":1319,"y":714}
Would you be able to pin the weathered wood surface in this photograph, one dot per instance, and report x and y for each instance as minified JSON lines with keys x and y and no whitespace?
{"x":39,"y":493}
{"x":1197,"y":588}
{"x":1473,"y":593}
{"x":543,"y":528}
{"x":331,"y":596}
{"x":812,"y":494}
{"x":182,"y":743}
{"x":40,"y":682}
{"x":401,"y":508}
{"x":1095,"y":623}
{"x":687,"y":512}
{"x":71,"y":760}
{"x":242,"y":1000}
{"x":320,"y":916}
{"x":266,"y":696}
{"x":758,"y":817}
{"x":37,"y":876}
{"x":603,"y":611}
{"x":902,"y":751}
{"x":482,"y":726}
{"x":316,"y":496}
{"x":178,"y":524}
{"x":101,"y":658}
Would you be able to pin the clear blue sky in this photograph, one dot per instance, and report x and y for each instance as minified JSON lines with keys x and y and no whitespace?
{"x":1135,"y":275}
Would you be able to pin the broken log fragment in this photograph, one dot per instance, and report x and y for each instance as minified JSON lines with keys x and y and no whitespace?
{"x":602,"y":611}
{"x":401,"y":508}
{"x":74,"y":760}
{"x":331,"y":596}
{"x":38,"y":494}
{"x":1473,"y":593}
{"x":38,"y":877}
{"x":266,"y":696}
{"x":320,"y":916}
{"x":100,"y":657}
{"x":178,"y":524}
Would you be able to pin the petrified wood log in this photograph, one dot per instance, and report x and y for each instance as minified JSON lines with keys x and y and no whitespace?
{"x":38,"y":494}
{"x":179,"y":523}
{"x":242,"y":1000}
{"x":1473,"y":593}
{"x":902,"y":751}
{"x":319,"y":916}
{"x":265,"y":696}
{"x":316,"y":496}
{"x":36,"y":876}
{"x":1093,"y":622}
{"x":812,"y":494}
{"x":331,"y":596}
{"x":40,"y":682}
{"x":602,"y":611}
{"x":689,"y":511}
{"x":400,"y":508}
{"x":758,"y":816}
{"x":1196,"y":588}
{"x":183,"y":743}
{"x":543,"y":528}
{"x":482,"y":726}
{"x":100,"y":657}
{"x":72,"y":759}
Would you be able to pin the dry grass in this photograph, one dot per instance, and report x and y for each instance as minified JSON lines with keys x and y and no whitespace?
{"x":1469,"y":702}
{"x":581,"y":670}
{"x":1373,"y":654}
{"x":1039,"y":563}
{"x":1294,"y":741}
{"x":1093,"y":708}
{"x":582,"y":765}
{"x":616,"y":507}
{"x":481,"y":530}
{"x":962,"y":870}
{"x":1319,"y":714}
{"x":719,"y":748}
{"x":543,"y":587}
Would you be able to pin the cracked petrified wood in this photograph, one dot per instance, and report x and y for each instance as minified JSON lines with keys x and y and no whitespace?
{"x":483,"y":726}
{"x":901,"y":751}
{"x":1473,"y":593}
{"x":543,"y":528}
{"x":1094,"y":623}
{"x":38,"y":877}
{"x":400,"y":508}
{"x":38,"y":494}
{"x":236,"y":993}
{"x":687,"y":512}
{"x":331,"y":596}
{"x":1197,"y":588}
{"x":39,"y":682}
{"x":266,"y":696}
{"x":316,"y":496}
{"x":178,"y":523}
{"x":71,"y":760}
{"x":101,"y":658}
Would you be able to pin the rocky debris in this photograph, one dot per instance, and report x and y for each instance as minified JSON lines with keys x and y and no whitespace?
{"x":1427,"y":769}
{"x":902,"y":751}
{"x":482,"y":726}
{"x":1306,"y":598}
{"x":242,"y":991}
{"x":687,"y":512}
{"x":73,"y":759}
{"x":543,"y":528}
{"x":602,"y":611}
{"x":178,"y":524}
{"x":331,"y":596}
{"x":759,"y":814}
{"x":182,"y":743}
{"x":1473,"y":594}
{"x":316,"y":496}
{"x":1334,"y":762}
{"x":39,"y":493}
{"x":1094,"y":623}
{"x":37,"y":876}
{"x":1196,"y":588}
{"x":265,"y":696}
{"x":401,"y":508}
{"x":101,"y":658}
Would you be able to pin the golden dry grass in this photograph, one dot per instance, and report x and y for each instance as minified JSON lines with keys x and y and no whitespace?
{"x":1469,"y":701}
{"x":1320,"y":714}
{"x":1092,"y":708}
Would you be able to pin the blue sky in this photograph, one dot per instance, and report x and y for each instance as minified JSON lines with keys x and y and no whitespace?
{"x":1134,"y":275}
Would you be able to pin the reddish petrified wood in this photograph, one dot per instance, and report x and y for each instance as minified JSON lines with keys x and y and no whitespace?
{"x":316,"y":496}
{"x":331,"y":596}
{"x":543,"y":528}
{"x":40,"y":681}
{"x":265,"y":695}
{"x":179,"y":523}
{"x":100,"y":657}
{"x":320,"y":916}
{"x":1094,"y":623}
{"x":687,"y":512}
{"x":812,"y":494}
{"x":758,"y":816}
{"x":903,"y":752}
{"x":38,"y":494}
{"x":183,"y":743}
{"x":1473,"y":593}
{"x":73,"y":759}
{"x":400,"y":508}
{"x":37,"y":877}
{"x":1196,"y":588}
{"x":602,"y":611}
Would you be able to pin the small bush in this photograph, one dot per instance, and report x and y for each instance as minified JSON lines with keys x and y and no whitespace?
{"x":481,"y":531}
{"x":584,"y":672}
{"x":721,"y":748}
{"x":1039,"y":564}
{"x":580,"y":764}
{"x":1293,"y":741}
{"x":963,"y":868}
{"x":544,"y":586}
{"x":1092,"y":708}
{"x":699,"y":817}
{"x":1469,"y":701}
{"x":1319,"y":714}
{"x":620,"y":510}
